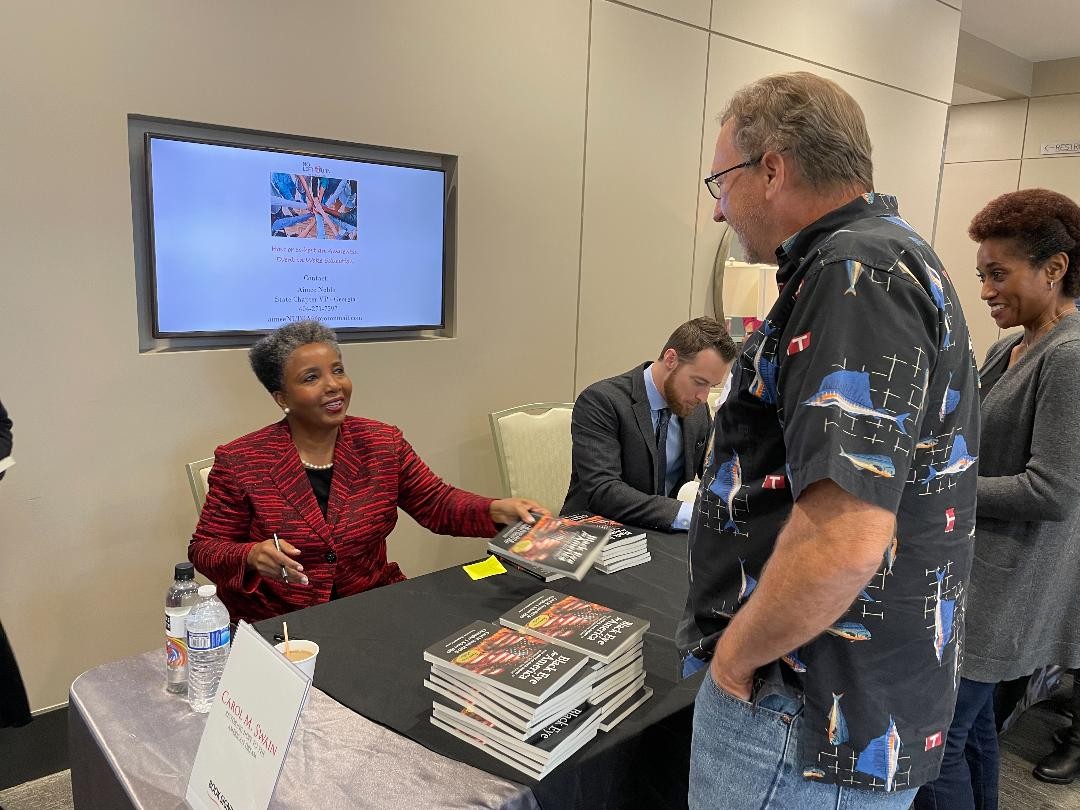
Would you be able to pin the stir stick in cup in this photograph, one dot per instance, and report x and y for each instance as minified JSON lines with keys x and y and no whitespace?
{"x":286,"y":626}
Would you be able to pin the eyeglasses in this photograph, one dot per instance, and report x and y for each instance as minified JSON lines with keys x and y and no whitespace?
{"x":712,"y":182}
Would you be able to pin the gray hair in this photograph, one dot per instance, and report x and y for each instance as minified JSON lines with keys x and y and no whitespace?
{"x":269,"y":356}
{"x":810,"y":118}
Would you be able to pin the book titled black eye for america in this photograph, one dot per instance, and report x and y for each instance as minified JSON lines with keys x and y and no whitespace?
{"x":596,"y":630}
{"x":525,"y":666}
{"x":563,"y":546}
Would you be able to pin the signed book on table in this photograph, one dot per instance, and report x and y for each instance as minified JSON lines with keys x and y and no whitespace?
{"x":588,"y":627}
{"x":558,"y":545}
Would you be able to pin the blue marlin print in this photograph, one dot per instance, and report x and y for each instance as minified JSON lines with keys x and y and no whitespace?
{"x":927,"y":443}
{"x":864,"y":596}
{"x":850,"y":392}
{"x":854,"y":272}
{"x":748,"y":582}
{"x":950,"y":400}
{"x":878,"y":465}
{"x":937,"y":292}
{"x":852,"y":631}
{"x":881,"y":757}
{"x":726,"y":485}
{"x":959,"y":460}
{"x":838,"y":733}
{"x":943,"y":618}
{"x":792,"y":660}
{"x":903,"y":223}
{"x":763,"y":386}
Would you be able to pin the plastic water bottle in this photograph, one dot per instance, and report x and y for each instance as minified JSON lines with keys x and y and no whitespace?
{"x":183,"y":593}
{"x":208,"y":648}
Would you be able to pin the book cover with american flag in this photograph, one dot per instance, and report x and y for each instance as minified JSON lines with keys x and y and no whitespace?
{"x":588,"y":627}
{"x":564,"y":546}
{"x":526,"y":666}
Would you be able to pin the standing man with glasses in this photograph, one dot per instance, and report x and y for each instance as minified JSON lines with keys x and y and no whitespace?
{"x":830,"y":546}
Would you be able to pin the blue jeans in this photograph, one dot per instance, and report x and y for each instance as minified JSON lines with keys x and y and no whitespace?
{"x":692,"y":664}
{"x":969,"y":768}
{"x":745,"y":756}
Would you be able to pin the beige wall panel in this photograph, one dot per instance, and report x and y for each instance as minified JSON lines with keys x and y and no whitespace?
{"x":1057,"y":174}
{"x":906,"y":131}
{"x":910,"y":44}
{"x":98,"y":509}
{"x":991,"y":131}
{"x":1056,"y":76}
{"x":1052,"y":119}
{"x":695,"y":12}
{"x":646,"y":86}
{"x":965,"y":189}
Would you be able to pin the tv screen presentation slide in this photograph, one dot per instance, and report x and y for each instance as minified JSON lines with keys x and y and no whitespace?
{"x":250,"y":239}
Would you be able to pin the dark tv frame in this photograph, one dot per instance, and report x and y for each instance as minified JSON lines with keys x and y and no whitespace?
{"x":142,"y":128}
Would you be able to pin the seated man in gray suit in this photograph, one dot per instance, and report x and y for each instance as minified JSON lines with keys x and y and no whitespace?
{"x":640,"y":436}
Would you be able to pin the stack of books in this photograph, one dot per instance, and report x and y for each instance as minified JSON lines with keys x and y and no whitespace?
{"x":523,"y":700}
{"x":537,"y":687}
{"x":625,"y":547}
{"x":551,"y":548}
{"x":613,"y":640}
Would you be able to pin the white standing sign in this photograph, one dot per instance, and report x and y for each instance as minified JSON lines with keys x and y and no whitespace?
{"x":249,"y":728}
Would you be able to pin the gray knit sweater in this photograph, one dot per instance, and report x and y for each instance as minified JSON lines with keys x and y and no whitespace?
{"x":1023,"y":608}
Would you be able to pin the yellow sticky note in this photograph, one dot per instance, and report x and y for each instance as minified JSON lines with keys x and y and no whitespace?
{"x":485,"y":568}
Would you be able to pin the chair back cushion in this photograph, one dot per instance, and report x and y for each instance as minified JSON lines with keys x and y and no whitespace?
{"x":536,"y":454}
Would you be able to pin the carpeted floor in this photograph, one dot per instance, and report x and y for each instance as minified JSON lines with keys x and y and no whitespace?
{"x":48,"y":793}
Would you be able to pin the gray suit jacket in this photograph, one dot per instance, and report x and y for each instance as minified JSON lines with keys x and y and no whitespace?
{"x":615,"y":453}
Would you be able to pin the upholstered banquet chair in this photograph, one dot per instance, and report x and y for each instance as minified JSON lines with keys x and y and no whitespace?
{"x":198,"y":473}
{"x":533,"y":446}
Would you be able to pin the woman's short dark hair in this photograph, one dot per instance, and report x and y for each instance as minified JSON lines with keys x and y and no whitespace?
{"x":269,"y":356}
{"x":1041,"y":223}
{"x":698,"y":334}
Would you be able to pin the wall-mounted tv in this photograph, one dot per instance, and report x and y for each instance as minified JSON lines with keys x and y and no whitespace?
{"x":244,"y":236}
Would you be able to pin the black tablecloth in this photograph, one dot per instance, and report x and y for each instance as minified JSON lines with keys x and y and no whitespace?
{"x":371,"y":660}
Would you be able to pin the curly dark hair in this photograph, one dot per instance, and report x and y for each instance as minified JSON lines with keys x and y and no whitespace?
{"x":1041,"y":223}
{"x":269,"y":356}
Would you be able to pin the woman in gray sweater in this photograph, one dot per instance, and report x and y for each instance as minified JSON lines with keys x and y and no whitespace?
{"x":1023,"y":607}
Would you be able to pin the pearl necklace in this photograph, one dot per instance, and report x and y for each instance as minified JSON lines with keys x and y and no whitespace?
{"x":308,"y":465}
{"x":1024,"y":345}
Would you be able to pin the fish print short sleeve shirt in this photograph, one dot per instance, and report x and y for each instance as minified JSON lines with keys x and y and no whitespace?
{"x":862,"y":373}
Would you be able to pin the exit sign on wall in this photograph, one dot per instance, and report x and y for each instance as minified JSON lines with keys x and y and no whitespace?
{"x":1061,"y":148}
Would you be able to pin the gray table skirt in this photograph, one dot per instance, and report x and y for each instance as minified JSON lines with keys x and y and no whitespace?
{"x":133,"y":744}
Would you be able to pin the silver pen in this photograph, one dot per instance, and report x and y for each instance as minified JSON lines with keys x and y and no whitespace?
{"x":284,"y":570}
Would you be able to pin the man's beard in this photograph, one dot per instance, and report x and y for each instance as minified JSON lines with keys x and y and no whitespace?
{"x":677,"y":406}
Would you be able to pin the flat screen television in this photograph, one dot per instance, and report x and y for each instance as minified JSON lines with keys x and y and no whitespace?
{"x":244,"y":238}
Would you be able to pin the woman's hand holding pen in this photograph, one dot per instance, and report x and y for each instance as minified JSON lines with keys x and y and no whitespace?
{"x":267,"y":561}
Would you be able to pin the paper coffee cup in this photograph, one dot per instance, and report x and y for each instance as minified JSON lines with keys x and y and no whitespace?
{"x":297,"y":649}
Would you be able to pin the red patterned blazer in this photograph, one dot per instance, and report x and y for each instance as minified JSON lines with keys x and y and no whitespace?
{"x":258,"y":486}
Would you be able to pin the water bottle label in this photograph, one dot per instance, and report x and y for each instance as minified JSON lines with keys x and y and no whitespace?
{"x":176,"y":626}
{"x":175,"y":654}
{"x":211,"y":640}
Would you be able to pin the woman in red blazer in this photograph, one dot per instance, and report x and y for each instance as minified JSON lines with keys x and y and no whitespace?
{"x":328,"y":485}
